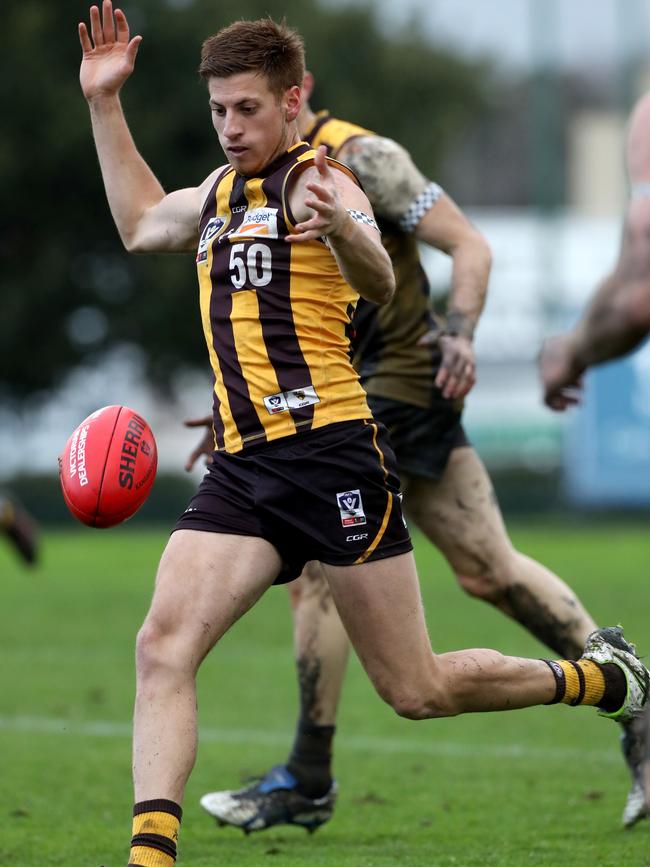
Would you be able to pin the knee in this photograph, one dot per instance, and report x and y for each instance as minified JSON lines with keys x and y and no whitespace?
{"x":157,"y":650}
{"x":488,"y":577}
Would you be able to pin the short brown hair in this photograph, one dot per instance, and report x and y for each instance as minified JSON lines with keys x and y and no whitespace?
{"x":273,"y":50}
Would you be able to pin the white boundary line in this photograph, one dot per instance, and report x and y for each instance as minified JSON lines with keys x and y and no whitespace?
{"x":356,"y":743}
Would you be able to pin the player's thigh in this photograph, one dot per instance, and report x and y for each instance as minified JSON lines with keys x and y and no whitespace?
{"x":205,"y":582}
{"x":381,"y":608}
{"x":460,"y":514}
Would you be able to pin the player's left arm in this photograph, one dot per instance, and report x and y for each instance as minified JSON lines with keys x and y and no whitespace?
{"x":327,"y":203}
{"x":399,"y":192}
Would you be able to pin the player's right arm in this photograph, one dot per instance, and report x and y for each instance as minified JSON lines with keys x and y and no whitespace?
{"x":146,"y":217}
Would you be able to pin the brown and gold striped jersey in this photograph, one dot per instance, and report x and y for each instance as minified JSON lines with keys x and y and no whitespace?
{"x":276,"y":316}
{"x":386,"y":354}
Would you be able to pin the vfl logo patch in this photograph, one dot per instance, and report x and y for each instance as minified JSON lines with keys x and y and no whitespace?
{"x":212,"y":228}
{"x":294,"y":399}
{"x":276,"y":403}
{"x":260,"y":222}
{"x":351,"y":508}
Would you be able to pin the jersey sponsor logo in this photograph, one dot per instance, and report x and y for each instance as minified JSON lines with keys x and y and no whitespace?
{"x":294,"y":399}
{"x":212,"y":228}
{"x":351,"y":508}
{"x":260,"y":222}
{"x":356,"y":537}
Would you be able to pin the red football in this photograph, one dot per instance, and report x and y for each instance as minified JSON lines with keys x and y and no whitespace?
{"x":108,"y":466}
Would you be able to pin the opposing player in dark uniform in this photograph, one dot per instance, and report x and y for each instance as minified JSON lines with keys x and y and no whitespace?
{"x":416,"y":370}
{"x":615,"y":322}
{"x":286,"y":243}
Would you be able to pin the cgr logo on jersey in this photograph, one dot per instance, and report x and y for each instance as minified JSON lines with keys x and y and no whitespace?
{"x":212,"y":227}
{"x":294,"y":399}
{"x":351,"y":508}
{"x":259,"y":223}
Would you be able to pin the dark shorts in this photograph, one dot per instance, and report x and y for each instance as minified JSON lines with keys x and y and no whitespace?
{"x":331,"y":494}
{"x":422,"y":439}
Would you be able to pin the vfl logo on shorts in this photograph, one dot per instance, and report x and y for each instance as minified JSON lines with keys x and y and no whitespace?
{"x":351,"y":508}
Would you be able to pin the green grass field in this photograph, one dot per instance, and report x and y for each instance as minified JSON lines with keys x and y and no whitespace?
{"x":537,"y":787}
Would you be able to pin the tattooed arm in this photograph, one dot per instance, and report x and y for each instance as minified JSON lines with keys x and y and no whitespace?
{"x":400,"y":193}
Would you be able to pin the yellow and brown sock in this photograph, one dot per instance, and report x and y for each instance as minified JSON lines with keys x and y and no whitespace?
{"x":155,"y":833}
{"x":587,"y":682}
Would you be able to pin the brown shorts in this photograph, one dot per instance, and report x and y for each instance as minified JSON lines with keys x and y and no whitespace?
{"x":422,"y":439}
{"x":331,"y":494}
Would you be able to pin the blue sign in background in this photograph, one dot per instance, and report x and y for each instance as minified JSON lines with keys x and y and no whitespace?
{"x":607,"y":447}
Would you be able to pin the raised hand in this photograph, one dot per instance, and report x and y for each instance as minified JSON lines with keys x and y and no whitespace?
{"x":108,"y":52}
{"x":329,"y":213}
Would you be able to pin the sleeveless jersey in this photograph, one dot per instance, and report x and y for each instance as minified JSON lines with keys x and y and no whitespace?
{"x":386,"y":354}
{"x":276,"y":316}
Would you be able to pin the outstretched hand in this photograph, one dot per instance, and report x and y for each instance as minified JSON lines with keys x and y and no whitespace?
{"x":108,"y":52}
{"x":329,"y":213}
{"x":561,"y":377}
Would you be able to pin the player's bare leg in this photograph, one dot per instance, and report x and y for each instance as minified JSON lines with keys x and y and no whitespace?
{"x":302,"y":790}
{"x":381,"y":608}
{"x":461,"y":516}
{"x":321,"y":646}
{"x":205,"y":582}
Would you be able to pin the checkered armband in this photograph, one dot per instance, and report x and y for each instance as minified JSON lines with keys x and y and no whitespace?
{"x":362,"y":217}
{"x":419,"y":206}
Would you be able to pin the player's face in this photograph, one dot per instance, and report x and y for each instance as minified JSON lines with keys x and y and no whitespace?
{"x":254,"y":125}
